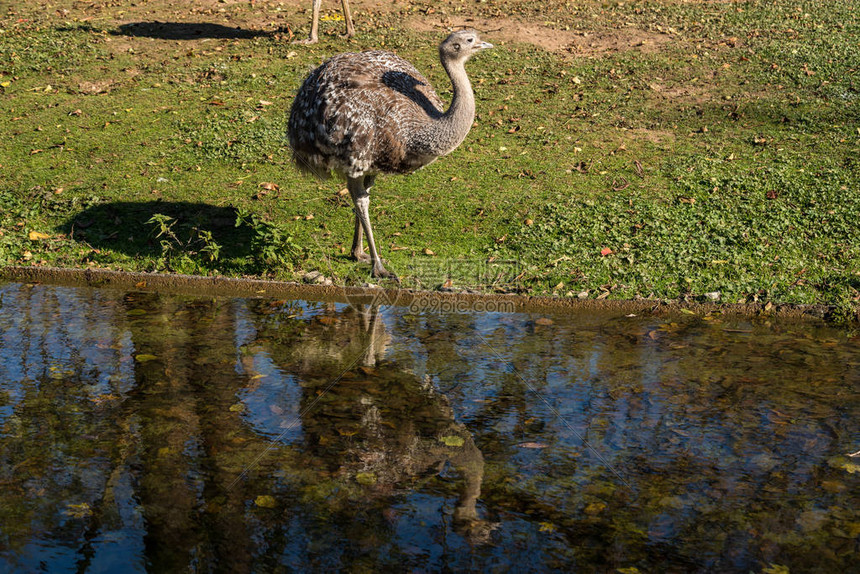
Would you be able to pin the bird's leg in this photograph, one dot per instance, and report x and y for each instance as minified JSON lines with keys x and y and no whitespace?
{"x":350,"y":29}
{"x":357,"y":248}
{"x":315,"y":25}
{"x":361,"y":198}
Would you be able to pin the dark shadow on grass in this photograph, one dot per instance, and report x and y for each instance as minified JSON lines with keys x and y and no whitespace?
{"x":186,"y":31}
{"x":123,"y":226}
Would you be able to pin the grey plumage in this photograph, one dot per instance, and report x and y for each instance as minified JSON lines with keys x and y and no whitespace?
{"x":361,"y":114}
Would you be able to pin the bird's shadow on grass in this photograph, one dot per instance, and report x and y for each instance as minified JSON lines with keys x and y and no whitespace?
{"x":187,"y":31}
{"x":128,"y":227}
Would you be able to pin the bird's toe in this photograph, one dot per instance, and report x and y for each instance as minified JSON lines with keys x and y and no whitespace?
{"x":381,"y":272}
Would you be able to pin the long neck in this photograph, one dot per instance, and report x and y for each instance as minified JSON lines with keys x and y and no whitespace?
{"x":446,"y":133}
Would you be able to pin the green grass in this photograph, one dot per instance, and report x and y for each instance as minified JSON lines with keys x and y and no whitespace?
{"x":723,"y":157}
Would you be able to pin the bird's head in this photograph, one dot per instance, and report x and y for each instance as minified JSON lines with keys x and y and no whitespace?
{"x":462,"y":45}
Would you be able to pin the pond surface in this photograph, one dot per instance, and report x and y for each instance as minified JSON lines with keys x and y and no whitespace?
{"x":144,"y":432}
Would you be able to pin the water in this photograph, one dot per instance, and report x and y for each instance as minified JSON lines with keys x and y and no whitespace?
{"x":141,"y":432}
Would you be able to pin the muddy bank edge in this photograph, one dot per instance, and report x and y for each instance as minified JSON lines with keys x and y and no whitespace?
{"x":442,"y":301}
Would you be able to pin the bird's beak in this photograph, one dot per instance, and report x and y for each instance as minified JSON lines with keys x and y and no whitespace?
{"x":484,"y":45}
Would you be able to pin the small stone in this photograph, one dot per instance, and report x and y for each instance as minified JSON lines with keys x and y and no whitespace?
{"x":713,"y":296}
{"x":314,"y":277}
{"x":582,"y":294}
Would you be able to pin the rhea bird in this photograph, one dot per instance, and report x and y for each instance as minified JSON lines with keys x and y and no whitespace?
{"x":362,"y":114}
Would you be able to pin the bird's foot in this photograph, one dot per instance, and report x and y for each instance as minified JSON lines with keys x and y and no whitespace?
{"x":361,"y":256}
{"x":381,"y":272}
{"x":307,"y":41}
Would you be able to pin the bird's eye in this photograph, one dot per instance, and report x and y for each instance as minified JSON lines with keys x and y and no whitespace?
{"x":471,"y":40}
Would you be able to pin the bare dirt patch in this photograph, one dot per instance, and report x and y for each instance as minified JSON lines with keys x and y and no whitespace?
{"x":239,"y":19}
{"x":611,"y":41}
{"x":95,"y":87}
{"x":653,"y":136}
{"x":551,"y":39}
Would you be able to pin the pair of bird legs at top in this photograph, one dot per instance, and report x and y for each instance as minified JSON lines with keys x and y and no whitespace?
{"x":314,"y":37}
{"x":359,"y":190}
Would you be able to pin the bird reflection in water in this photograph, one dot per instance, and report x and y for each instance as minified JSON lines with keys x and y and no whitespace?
{"x":366,"y":419}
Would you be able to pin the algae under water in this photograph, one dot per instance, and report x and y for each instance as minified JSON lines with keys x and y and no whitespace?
{"x":144,"y":432}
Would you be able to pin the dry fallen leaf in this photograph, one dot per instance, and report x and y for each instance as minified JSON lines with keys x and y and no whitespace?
{"x":546,"y":527}
{"x":81,"y":510}
{"x":366,"y":478}
{"x":265,"y":501}
{"x":452,"y":440}
{"x":37,"y":235}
